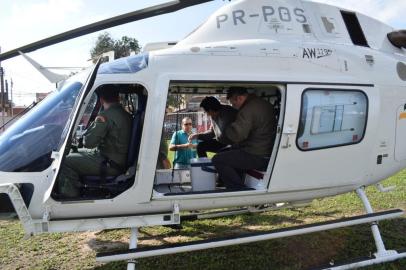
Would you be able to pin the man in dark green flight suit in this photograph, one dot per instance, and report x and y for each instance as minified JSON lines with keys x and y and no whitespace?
{"x":107,"y":140}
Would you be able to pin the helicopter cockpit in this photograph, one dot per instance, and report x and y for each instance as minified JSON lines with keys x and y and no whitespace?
{"x":133,"y":98}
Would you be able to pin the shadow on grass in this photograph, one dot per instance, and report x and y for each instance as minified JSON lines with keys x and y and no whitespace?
{"x":298,"y":252}
{"x":104,"y":246}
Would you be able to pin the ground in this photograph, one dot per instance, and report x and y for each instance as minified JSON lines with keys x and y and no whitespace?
{"x":77,"y":251}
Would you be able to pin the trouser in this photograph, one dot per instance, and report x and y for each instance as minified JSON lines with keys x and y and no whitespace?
{"x":232,"y":165}
{"x":79,"y":164}
{"x":209,"y":146}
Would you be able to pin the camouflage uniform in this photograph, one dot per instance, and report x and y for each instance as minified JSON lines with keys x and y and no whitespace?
{"x":108,"y":137}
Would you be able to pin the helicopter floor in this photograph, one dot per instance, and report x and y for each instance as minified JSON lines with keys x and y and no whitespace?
{"x":186,"y":189}
{"x":173,"y":188}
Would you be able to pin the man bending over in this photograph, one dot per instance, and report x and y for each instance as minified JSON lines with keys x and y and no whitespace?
{"x":221,"y":116}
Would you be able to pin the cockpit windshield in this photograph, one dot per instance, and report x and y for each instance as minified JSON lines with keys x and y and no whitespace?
{"x":27,"y":145}
{"x":130,"y":64}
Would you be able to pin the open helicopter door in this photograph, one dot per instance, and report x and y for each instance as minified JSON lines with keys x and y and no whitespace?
{"x":69,"y":129}
{"x":325,"y":139}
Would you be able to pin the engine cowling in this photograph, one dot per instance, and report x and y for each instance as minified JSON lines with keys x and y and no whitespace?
{"x":398,"y":38}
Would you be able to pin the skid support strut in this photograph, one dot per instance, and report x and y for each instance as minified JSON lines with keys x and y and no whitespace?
{"x":382,"y":255}
{"x":133,"y":244}
{"x":380,"y":246}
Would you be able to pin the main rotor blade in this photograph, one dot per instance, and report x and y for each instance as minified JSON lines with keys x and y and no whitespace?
{"x":104,"y":24}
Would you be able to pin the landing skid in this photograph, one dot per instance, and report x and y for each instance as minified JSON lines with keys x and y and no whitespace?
{"x":381,"y":256}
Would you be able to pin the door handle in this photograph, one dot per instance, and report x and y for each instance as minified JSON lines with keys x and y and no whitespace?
{"x":287,"y":143}
{"x":288,"y":133}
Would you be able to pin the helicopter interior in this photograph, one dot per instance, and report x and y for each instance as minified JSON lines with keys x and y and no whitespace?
{"x":184,"y":101}
{"x":133,"y":97}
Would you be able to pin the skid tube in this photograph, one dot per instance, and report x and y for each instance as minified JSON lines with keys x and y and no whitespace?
{"x":249,"y":238}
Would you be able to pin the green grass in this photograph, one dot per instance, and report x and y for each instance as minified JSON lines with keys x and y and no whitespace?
{"x":77,"y":251}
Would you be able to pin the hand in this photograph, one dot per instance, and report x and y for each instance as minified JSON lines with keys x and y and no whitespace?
{"x":192,"y":137}
{"x":191,"y":145}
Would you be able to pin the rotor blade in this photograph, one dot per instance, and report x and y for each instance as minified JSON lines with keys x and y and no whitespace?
{"x":104,"y":24}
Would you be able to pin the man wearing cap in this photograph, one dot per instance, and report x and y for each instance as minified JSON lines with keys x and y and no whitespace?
{"x":107,"y":140}
{"x":252,"y":135}
{"x":213,"y":140}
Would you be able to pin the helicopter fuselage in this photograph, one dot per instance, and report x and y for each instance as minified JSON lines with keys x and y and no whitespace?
{"x":315,"y":64}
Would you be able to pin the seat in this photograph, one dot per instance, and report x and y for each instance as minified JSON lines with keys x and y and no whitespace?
{"x":114,"y":184}
{"x":255,"y":179}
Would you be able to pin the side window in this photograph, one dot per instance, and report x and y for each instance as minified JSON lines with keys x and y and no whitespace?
{"x":331,"y":118}
{"x":84,"y":122}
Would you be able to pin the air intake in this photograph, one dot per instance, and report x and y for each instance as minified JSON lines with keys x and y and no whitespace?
{"x":398,"y":38}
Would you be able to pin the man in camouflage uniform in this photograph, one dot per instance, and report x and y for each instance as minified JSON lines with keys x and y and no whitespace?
{"x":107,"y":139}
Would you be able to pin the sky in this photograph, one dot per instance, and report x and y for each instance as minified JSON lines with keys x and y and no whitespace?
{"x":26,"y":21}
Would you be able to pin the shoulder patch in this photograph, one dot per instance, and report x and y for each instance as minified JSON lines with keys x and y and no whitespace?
{"x":101,"y":119}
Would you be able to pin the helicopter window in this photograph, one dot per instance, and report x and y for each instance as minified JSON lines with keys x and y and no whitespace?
{"x":27,"y":145}
{"x":331,"y":118}
{"x":89,"y":111}
{"x":131,"y":64}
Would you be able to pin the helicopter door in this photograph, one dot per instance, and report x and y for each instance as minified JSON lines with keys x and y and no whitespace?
{"x":322,"y":143}
{"x":57,"y":156}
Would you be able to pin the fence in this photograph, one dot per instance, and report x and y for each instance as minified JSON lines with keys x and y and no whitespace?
{"x":173,"y":121}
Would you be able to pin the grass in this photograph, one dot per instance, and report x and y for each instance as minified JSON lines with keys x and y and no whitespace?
{"x":77,"y":251}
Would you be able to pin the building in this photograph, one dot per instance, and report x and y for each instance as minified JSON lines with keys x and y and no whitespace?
{"x":18,"y":111}
{"x":40,"y":96}
{"x":193,"y":103}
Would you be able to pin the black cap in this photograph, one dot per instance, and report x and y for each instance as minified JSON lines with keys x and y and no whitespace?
{"x":236,"y":91}
{"x":109,"y":92}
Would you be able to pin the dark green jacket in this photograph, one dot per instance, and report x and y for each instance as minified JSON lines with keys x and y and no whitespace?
{"x":254,"y":129}
{"x":111,"y":134}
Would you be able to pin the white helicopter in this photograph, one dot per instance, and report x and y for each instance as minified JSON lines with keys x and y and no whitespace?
{"x":337,"y":78}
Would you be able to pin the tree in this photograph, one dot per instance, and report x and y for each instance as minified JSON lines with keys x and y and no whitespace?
{"x":121,"y":47}
{"x":175,"y":101}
